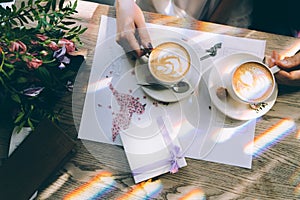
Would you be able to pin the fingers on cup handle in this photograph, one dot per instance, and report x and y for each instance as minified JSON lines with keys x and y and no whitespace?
{"x":136,"y":43}
{"x":144,"y":40}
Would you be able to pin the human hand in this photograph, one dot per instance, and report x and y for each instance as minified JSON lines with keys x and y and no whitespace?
{"x":290,"y":73}
{"x":132,"y":33}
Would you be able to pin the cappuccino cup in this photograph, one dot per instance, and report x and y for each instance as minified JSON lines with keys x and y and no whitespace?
{"x":252,"y":82}
{"x":169,"y":62}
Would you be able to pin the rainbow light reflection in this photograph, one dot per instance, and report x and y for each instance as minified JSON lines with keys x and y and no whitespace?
{"x":270,"y":137}
{"x":297,"y":190}
{"x":295,"y":181}
{"x":97,"y":187}
{"x":194,"y":194}
{"x":144,"y":190}
{"x":291,"y":51}
{"x":99,"y":85}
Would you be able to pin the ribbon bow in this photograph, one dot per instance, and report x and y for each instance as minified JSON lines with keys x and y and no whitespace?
{"x":174,"y":160}
{"x":174,"y":150}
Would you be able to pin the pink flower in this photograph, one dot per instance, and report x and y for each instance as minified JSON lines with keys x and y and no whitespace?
{"x":41,"y":37}
{"x":34,"y":63}
{"x":70,"y":46}
{"x":17,"y":46}
{"x":53,"y":46}
{"x":1,"y":55}
{"x":12,"y":58}
{"x":34,"y":42}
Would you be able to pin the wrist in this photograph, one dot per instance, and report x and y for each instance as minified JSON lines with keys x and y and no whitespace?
{"x":124,"y":4}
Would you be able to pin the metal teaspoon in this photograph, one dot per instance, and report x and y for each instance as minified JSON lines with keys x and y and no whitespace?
{"x":179,"y":87}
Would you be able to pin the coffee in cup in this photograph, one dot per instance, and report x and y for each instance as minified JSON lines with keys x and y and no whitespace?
{"x":169,"y":62}
{"x":251,"y":82}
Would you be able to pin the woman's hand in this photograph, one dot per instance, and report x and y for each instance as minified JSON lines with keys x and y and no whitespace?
{"x":290,"y":73}
{"x":132,"y":33}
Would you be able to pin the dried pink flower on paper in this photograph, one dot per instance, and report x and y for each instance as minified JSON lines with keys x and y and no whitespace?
{"x":128,"y":106}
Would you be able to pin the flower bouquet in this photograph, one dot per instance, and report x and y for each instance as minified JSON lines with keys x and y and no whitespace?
{"x":38,"y":60}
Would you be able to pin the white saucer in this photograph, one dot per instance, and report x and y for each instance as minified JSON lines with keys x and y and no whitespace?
{"x":228,"y":106}
{"x":193,"y":77}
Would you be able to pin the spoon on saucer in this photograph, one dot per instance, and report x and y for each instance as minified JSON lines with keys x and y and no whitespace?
{"x":179,"y":87}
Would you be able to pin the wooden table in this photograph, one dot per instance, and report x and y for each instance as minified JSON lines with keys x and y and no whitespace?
{"x":275,"y":174}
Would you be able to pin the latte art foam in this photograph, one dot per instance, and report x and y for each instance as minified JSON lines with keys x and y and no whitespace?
{"x":169,"y":62}
{"x":252,"y":82}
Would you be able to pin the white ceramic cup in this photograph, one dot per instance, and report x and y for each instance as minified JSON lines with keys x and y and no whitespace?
{"x":251,"y":82}
{"x":170,"y":62}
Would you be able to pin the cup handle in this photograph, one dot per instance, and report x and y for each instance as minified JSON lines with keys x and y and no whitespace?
{"x":275,"y":69}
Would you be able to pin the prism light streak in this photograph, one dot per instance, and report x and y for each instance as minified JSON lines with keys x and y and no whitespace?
{"x":99,"y":85}
{"x":194,"y":194}
{"x":291,"y":51}
{"x":295,"y":181}
{"x":297,"y":190}
{"x":144,"y":190}
{"x":97,"y":187}
{"x":270,"y":137}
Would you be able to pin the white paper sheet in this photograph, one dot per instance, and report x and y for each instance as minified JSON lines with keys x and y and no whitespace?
{"x":203,"y":132}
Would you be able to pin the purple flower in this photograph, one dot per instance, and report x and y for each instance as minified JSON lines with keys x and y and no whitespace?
{"x":60,"y":55}
{"x":33,"y":91}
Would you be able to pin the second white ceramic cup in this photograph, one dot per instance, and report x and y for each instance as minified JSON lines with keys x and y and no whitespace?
{"x":251,"y":82}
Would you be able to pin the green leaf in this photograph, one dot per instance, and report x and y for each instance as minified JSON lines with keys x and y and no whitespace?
{"x":75,"y":5}
{"x":13,"y":22}
{"x":9,"y":65}
{"x":67,"y":23}
{"x":82,"y":31}
{"x":30,"y":3}
{"x":22,"y":4}
{"x":22,"y":18}
{"x":61,"y":4}
{"x":30,"y":123}
{"x":19,"y":117}
{"x":63,"y":27}
{"x":53,"y":4}
{"x":1,"y":81}
{"x":22,"y":80}
{"x":14,"y":8}
{"x":16,"y":98}
{"x":47,"y":6}
{"x":29,"y":17}
{"x":44,"y":74}
{"x":21,"y":125}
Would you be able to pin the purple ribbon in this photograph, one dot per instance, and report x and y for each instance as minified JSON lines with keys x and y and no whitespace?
{"x":174,"y":151}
